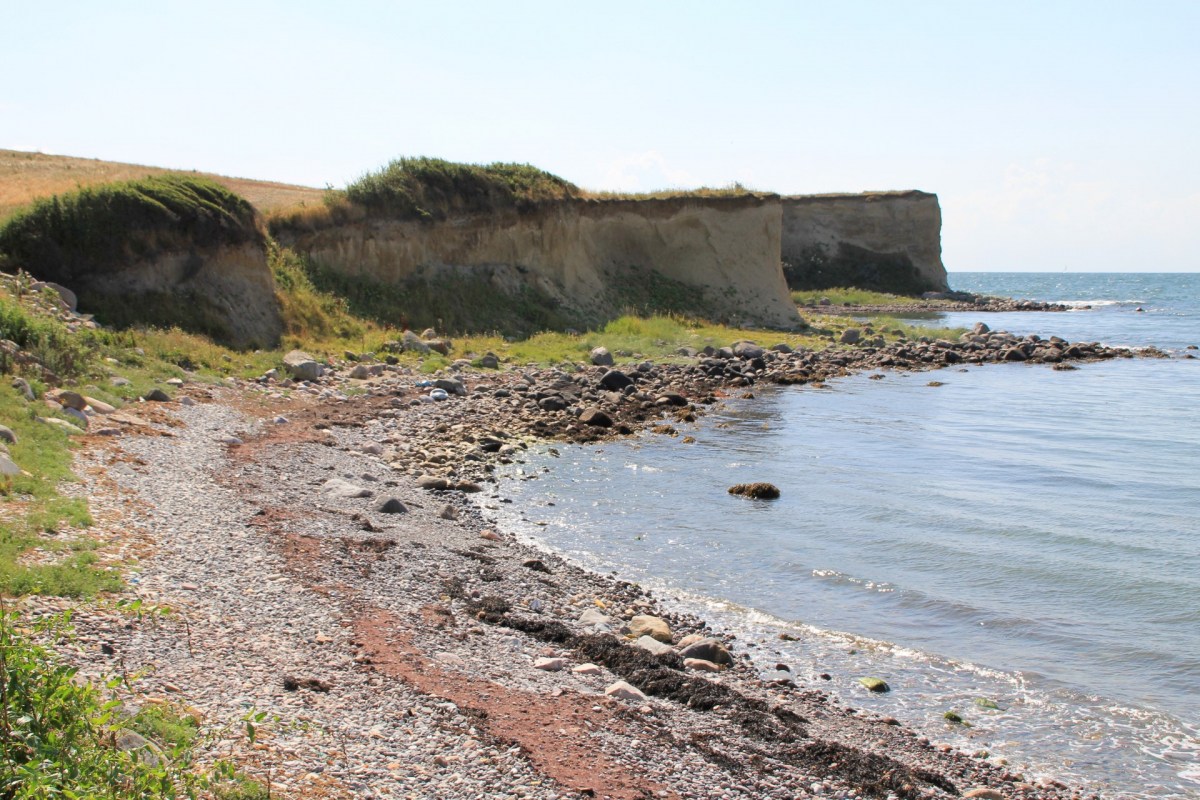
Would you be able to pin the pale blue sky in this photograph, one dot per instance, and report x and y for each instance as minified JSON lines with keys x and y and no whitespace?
{"x":1058,"y":135}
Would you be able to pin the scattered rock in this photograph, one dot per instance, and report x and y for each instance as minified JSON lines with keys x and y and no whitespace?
{"x":301,"y":366}
{"x":851,"y":336}
{"x":360,"y":372}
{"x":23,"y":388}
{"x":596,"y":417}
{"x":7,"y":435}
{"x":647,"y":625}
{"x":700,"y":665}
{"x":340,"y":488}
{"x":550,"y":664}
{"x":8,"y":466}
{"x":390,"y":506}
{"x":983,"y":793}
{"x":614,"y":380}
{"x":291,"y":684}
{"x":708,"y":650}
{"x":653,"y":645}
{"x":448,"y":512}
{"x":433,"y":483}
{"x":157,"y":395}
{"x":587,"y":669}
{"x":875,"y":684}
{"x":536,"y":564}
{"x":71,"y":400}
{"x":601,"y":357}
{"x":756,"y":491}
{"x":625,"y":691}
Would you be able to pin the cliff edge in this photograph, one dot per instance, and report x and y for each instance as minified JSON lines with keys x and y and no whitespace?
{"x":886,"y":241}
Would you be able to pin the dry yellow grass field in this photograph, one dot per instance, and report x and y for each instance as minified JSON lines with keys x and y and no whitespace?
{"x":24,"y":177}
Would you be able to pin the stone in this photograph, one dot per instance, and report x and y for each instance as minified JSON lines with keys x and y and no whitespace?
{"x":451,"y":385}
{"x":470,"y":487}
{"x":146,"y":751}
{"x":448,"y":512}
{"x":708,"y":650}
{"x":587,"y":669}
{"x":490,"y":535}
{"x":700,"y":665}
{"x":625,"y":691}
{"x":61,"y":424}
{"x":552,"y":403}
{"x":360,"y":372}
{"x":23,"y":388}
{"x":850,"y":336}
{"x":536,"y":564}
{"x":371,"y":448}
{"x":77,"y":415}
{"x":71,"y":400}
{"x":601,"y":357}
{"x":157,"y":395}
{"x":68,"y":298}
{"x":671,"y":399}
{"x":782,"y":347}
{"x":8,"y":466}
{"x":647,"y":625}
{"x":7,"y":435}
{"x":175,"y":382}
{"x":756,"y":491}
{"x":489,"y":361}
{"x":442,"y":346}
{"x":99,"y":406}
{"x":301,"y":366}
{"x":654,"y":646}
{"x":411,"y":342}
{"x":550,"y":664}
{"x":340,"y":488}
{"x":614,"y":380}
{"x":187,"y":401}
{"x":875,"y":684}
{"x":983,"y":793}
{"x":433,"y":482}
{"x":596,"y":418}
{"x":1014,"y":354}
{"x":747,"y":350}
{"x":391,"y":506}
{"x":980,"y":329}
{"x":592,"y":617}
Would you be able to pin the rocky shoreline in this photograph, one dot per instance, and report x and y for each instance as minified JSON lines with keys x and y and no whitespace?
{"x":318,"y":554}
{"x":941,"y":302}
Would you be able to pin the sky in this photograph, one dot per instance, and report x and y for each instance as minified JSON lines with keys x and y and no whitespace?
{"x":1058,"y":135}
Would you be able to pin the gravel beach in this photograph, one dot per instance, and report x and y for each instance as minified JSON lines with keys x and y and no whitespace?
{"x":316,"y":551}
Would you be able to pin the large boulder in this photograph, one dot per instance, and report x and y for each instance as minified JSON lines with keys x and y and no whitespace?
{"x":708,"y":650}
{"x":601,"y":357}
{"x":614,"y":380}
{"x":301,"y":366}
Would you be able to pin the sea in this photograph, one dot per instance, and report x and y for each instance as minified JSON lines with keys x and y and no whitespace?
{"x":1010,"y":544}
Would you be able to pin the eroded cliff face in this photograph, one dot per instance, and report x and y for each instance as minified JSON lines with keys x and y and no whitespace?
{"x":227,"y":292}
{"x":889,"y":241}
{"x":718,"y":256}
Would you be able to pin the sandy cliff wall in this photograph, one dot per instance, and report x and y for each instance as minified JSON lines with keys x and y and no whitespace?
{"x":227,"y":292}
{"x":889,"y":241}
{"x":595,"y":258}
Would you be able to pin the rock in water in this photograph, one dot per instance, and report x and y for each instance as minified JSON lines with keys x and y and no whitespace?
{"x":875,"y":684}
{"x":756,"y":491}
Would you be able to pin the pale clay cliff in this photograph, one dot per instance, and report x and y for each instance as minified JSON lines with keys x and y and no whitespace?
{"x":234,"y":281}
{"x":873,"y":240}
{"x":726,"y":250}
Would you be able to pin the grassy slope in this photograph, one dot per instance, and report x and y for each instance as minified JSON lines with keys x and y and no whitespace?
{"x":24,"y":177}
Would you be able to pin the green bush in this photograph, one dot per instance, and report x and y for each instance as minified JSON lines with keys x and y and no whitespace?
{"x":103,"y":228}
{"x":433,"y":189}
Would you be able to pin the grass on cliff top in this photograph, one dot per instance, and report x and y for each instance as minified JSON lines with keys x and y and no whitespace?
{"x":434,"y":189}
{"x":103,"y":228}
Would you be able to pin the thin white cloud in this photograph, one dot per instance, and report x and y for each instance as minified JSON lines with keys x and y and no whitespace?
{"x":645,"y":171}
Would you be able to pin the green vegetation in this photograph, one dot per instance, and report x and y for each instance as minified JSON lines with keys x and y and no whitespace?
{"x":67,"y":738}
{"x":844,"y":295}
{"x":434,"y":189}
{"x":99,"y":229}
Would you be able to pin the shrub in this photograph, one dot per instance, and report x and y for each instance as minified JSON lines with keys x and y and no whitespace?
{"x":103,"y":228}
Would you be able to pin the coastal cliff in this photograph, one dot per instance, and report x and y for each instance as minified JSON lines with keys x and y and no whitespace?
{"x":718,"y":256}
{"x":886,"y":241}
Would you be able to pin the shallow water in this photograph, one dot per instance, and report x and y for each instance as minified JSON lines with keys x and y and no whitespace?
{"x":1017,"y":534}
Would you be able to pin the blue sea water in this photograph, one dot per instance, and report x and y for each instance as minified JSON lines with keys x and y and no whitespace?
{"x":1016,"y":536}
